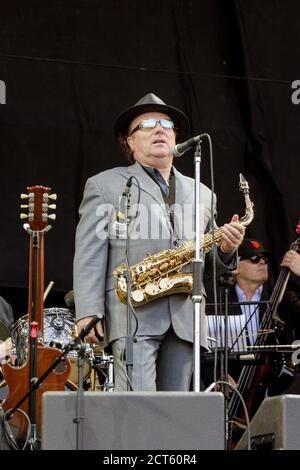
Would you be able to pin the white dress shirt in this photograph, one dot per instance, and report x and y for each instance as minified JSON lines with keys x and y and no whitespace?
{"x":242,"y":328}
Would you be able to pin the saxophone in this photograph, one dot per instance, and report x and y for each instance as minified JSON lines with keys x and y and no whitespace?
{"x":159,"y":275}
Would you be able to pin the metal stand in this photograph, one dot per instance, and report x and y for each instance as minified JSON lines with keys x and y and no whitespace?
{"x":109,"y":382}
{"x":103,"y":366}
{"x":197,"y":273}
{"x":129,"y":338}
{"x":75,"y":344}
{"x":226,"y":281}
{"x":79,"y":419}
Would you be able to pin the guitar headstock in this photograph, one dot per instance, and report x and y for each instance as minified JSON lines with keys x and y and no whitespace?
{"x":37,"y":199}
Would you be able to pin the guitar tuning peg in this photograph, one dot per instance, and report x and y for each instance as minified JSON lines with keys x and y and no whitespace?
{"x":23,"y":216}
{"x":24,"y":196}
{"x":52,"y":216}
{"x":53,"y":197}
{"x":52,"y":206}
{"x":24,"y":206}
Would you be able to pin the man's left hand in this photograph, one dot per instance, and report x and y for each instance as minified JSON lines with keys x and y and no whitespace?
{"x":232,"y":234}
{"x":291,"y":260}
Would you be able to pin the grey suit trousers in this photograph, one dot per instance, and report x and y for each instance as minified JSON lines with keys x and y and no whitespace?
{"x":163,"y":363}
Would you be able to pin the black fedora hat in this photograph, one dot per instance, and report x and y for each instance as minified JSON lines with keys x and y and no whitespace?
{"x":251,"y":247}
{"x":151,"y":102}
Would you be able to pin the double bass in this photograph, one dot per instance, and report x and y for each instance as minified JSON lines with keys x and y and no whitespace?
{"x":25,"y":422}
{"x":272,"y":375}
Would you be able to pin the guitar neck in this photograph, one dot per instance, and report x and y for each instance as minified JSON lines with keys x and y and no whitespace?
{"x":36,"y":283}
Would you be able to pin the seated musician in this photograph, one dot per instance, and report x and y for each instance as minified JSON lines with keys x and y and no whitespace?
{"x":253,"y":284}
{"x":290,"y":308}
{"x":250,"y":284}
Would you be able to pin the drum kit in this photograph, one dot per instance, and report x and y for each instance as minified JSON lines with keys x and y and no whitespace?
{"x":60,"y":330}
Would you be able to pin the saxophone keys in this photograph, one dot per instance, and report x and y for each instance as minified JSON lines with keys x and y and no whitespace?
{"x":152,"y":288}
{"x":137,"y":295}
{"x":140,"y":269}
{"x":122,"y":284}
{"x":165,"y":283}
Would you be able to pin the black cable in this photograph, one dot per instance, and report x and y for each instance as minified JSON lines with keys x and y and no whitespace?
{"x":212,"y":227}
{"x":141,"y":68}
{"x":126,"y":256}
{"x":129,"y":357}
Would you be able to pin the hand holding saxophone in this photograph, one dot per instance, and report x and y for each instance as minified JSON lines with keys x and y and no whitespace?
{"x":232,"y":234}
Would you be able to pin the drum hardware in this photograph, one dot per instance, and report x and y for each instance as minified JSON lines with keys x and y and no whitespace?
{"x":103,"y":372}
{"x":59,"y":330}
{"x":59,"y":365}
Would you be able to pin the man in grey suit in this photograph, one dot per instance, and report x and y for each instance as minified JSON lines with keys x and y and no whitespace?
{"x":163,"y":328}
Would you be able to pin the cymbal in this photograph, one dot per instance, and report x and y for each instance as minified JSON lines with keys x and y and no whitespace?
{"x":69,"y":298}
{"x":4,"y":332}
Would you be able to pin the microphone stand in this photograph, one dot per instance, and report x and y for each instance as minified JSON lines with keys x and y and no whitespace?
{"x":197,"y":273}
{"x":79,"y":418}
{"x":36,"y":382}
{"x":226,"y":281}
{"x":129,"y":338}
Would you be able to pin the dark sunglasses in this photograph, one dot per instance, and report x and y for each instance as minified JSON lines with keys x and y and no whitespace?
{"x":256,"y":259}
{"x":151,"y":123}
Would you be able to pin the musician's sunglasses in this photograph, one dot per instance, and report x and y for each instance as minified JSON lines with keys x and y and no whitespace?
{"x":151,"y":123}
{"x":256,"y":259}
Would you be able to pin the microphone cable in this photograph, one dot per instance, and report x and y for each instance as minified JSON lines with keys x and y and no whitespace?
{"x":127,"y":261}
{"x":129,"y":281}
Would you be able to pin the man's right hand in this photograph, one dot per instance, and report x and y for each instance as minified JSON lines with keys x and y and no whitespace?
{"x":91,"y":337}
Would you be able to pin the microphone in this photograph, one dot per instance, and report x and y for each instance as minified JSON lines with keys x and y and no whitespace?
{"x":121,"y":214}
{"x":180,"y":149}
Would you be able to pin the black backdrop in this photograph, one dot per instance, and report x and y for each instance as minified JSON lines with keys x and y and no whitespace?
{"x":70,"y":67}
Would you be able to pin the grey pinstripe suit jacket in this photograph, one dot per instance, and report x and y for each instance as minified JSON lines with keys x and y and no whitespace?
{"x":97,"y":254}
